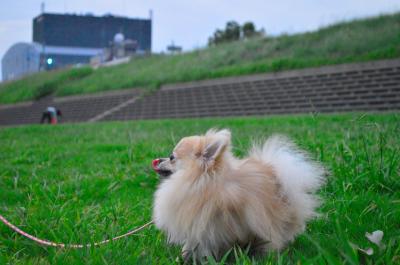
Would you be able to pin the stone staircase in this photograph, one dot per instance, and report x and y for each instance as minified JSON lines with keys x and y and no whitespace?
{"x":372,"y":86}
{"x":80,"y":108}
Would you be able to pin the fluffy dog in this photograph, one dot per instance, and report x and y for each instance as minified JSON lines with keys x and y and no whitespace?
{"x":208,"y":200}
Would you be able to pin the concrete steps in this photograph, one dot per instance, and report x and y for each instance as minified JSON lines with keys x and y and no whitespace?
{"x":74,"y":109}
{"x":372,"y":86}
{"x":356,"y":87}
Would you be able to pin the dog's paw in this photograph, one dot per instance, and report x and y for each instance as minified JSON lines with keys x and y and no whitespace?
{"x":186,"y":256}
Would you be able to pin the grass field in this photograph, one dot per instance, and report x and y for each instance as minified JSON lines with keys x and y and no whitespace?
{"x":84,"y":182}
{"x":356,"y":41}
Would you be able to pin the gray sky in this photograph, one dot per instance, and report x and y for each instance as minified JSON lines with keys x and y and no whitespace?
{"x":190,"y":23}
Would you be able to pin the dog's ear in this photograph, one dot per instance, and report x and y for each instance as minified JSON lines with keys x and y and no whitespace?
{"x":217,"y":142}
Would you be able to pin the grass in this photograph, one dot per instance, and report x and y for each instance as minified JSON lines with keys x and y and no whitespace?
{"x":40,"y":85}
{"x":84,"y":182}
{"x":356,"y":41}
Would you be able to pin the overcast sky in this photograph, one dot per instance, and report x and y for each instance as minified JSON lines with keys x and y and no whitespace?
{"x":190,"y":23}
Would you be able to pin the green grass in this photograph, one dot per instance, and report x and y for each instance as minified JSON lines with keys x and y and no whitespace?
{"x":84,"y":182}
{"x":356,"y":41}
{"x":39,"y":85}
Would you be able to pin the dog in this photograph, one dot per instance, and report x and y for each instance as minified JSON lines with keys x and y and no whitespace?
{"x":210,"y":201}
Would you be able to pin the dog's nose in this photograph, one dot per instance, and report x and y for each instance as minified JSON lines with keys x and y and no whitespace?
{"x":155,"y":163}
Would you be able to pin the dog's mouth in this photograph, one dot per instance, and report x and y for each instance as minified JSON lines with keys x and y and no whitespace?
{"x":164,"y":173}
{"x":160,"y":171}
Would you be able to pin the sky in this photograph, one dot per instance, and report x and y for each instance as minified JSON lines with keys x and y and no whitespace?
{"x":190,"y":23}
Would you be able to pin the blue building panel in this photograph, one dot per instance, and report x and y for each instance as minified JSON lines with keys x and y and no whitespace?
{"x":89,"y":31}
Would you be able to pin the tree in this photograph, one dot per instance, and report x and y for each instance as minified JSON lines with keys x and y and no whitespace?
{"x":249,"y":30}
{"x":233,"y":32}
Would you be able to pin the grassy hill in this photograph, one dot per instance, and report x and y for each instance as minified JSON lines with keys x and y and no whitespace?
{"x":356,"y":41}
{"x":87,"y":182}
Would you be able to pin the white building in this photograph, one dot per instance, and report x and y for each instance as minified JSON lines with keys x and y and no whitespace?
{"x":26,"y":58}
{"x":20,"y":59}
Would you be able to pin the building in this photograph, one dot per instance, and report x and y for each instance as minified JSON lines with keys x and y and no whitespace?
{"x":60,"y":40}
{"x":89,"y":31}
{"x":20,"y":59}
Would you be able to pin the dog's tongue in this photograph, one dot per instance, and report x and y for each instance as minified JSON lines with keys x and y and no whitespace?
{"x":155,"y":164}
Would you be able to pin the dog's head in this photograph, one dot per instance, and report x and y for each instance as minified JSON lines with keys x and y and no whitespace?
{"x":196,"y":154}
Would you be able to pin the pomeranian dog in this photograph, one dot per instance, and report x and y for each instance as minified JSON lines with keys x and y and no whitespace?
{"x":209,"y":201}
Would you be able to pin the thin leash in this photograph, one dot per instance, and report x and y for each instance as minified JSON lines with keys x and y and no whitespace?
{"x":61,"y":245}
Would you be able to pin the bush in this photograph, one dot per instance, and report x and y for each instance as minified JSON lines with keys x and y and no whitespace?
{"x":78,"y":73}
{"x":45,"y":89}
{"x":51,"y":86}
{"x":233,"y":32}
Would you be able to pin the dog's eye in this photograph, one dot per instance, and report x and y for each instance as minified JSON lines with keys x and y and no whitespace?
{"x":171,"y":157}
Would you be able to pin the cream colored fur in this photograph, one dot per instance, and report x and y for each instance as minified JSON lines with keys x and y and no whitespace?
{"x":213,"y":200}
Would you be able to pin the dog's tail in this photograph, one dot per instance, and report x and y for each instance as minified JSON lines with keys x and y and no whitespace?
{"x":298,"y":174}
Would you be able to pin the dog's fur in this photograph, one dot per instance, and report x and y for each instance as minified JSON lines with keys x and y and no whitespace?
{"x":212,"y":201}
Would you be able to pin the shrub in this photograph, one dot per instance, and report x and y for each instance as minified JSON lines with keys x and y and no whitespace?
{"x":78,"y":73}
{"x":51,"y":86}
{"x":45,"y":89}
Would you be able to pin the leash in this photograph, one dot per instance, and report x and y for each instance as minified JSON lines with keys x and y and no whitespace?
{"x":61,"y":245}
